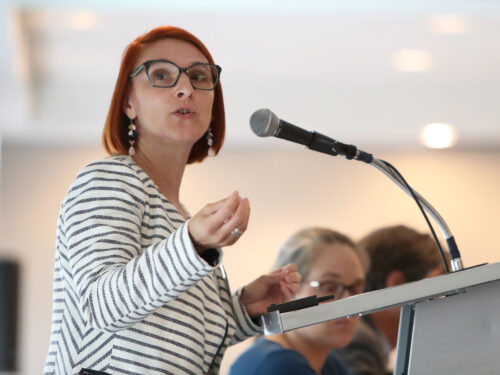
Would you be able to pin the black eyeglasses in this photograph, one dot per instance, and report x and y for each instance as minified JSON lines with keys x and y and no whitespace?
{"x":164,"y":73}
{"x":337,"y":288}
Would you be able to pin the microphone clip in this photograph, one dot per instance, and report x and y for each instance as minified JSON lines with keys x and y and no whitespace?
{"x":322,"y":143}
{"x":347,"y":151}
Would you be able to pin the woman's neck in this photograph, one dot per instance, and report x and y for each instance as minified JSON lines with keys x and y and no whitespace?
{"x":166,"y":169}
{"x":314,"y":354}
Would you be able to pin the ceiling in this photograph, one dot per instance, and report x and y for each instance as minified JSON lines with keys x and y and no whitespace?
{"x":330,"y":66}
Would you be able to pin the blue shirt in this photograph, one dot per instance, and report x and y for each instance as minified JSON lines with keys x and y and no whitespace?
{"x":266,"y":357}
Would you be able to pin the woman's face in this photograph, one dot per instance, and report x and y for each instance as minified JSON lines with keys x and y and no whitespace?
{"x":174,"y":116}
{"x":337,"y":263}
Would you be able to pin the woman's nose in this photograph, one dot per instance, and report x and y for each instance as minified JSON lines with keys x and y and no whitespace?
{"x":184,"y":88}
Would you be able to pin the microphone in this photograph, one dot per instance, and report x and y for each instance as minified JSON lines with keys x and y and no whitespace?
{"x":264,"y":123}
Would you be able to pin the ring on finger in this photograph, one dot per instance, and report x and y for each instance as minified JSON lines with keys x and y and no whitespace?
{"x":236,"y":232}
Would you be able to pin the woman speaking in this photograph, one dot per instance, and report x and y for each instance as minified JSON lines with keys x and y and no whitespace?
{"x":139,"y":287}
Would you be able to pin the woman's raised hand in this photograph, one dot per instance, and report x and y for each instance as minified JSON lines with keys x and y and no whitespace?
{"x":219,"y":224}
{"x":273,"y":288}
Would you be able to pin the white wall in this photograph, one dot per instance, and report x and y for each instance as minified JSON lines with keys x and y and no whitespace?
{"x":288,"y":189}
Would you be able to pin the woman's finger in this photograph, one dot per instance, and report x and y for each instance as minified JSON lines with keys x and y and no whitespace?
{"x":286,"y":294}
{"x":211,"y":208}
{"x":224,"y":211}
{"x":293,"y":277}
{"x":239,"y":219}
{"x":238,"y":223}
{"x":289,"y":268}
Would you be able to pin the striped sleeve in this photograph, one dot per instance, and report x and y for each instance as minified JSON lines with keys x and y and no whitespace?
{"x":117,"y":282}
{"x":245,"y":327}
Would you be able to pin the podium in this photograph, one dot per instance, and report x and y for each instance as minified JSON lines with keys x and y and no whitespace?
{"x":450,"y":324}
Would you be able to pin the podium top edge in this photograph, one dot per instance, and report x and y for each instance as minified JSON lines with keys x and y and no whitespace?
{"x":366,"y":303}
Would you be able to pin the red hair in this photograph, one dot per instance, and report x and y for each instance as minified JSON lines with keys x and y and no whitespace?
{"x":115,"y":134}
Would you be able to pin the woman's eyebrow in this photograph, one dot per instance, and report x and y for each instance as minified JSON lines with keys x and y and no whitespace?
{"x":336,"y":276}
{"x":331,"y":274}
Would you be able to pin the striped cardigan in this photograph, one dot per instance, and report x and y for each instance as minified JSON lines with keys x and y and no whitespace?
{"x":131,"y":294}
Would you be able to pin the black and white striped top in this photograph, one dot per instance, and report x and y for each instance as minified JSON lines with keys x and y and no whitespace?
{"x":131,"y":295}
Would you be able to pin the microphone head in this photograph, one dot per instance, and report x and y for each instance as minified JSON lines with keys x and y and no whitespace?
{"x":264,"y":123}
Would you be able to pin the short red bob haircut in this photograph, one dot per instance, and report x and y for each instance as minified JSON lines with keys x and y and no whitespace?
{"x":115,"y":134}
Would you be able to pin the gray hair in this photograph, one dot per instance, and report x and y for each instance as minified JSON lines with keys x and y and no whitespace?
{"x":303,"y":247}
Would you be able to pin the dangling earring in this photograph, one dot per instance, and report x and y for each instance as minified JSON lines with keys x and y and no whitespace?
{"x":210,"y":141}
{"x":132,"y":136}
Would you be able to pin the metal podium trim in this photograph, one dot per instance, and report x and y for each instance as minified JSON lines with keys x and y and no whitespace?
{"x":414,"y":292}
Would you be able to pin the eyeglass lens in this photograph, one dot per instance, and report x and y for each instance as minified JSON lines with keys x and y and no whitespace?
{"x":165,"y":74}
{"x":337,"y":288}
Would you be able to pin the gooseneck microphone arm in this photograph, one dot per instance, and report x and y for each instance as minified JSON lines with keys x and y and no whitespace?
{"x":455,"y":258}
{"x":265,"y":123}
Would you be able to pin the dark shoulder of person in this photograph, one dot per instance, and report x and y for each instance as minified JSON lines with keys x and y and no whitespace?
{"x":266,"y":357}
{"x":334,"y":366}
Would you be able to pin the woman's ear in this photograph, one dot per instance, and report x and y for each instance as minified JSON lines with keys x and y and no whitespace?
{"x":128,"y":106}
{"x":394,"y":278}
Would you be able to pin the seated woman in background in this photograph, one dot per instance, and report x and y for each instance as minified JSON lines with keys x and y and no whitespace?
{"x":330,"y":263}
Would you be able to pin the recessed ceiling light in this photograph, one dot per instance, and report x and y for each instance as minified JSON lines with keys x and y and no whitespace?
{"x":452,"y":24}
{"x":412,"y":60}
{"x":438,"y":135}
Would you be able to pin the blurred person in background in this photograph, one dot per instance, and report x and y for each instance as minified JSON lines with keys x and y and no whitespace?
{"x":139,"y":287}
{"x":330,"y":263}
{"x":397,"y":255}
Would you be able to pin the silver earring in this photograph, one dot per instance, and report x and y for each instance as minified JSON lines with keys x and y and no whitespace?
{"x":132,"y":136}
{"x":210,"y":142}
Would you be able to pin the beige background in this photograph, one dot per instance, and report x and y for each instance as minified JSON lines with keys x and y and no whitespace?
{"x":288,"y":188}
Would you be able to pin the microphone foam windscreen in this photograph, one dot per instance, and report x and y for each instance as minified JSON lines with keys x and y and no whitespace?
{"x":264,"y":123}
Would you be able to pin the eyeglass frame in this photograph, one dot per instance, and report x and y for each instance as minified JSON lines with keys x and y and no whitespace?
{"x":343,"y":288}
{"x":146,"y":64}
